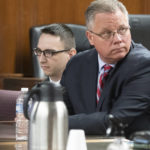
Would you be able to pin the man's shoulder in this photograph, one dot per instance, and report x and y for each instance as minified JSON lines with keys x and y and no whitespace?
{"x":84,"y":55}
{"x":137,"y":57}
{"x":138,"y":50}
{"x":81,"y":60}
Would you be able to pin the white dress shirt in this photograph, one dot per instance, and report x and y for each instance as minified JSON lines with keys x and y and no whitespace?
{"x":101,"y":63}
{"x":57,"y":83}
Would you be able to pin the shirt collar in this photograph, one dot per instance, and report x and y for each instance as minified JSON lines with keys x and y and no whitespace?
{"x":101,"y":63}
{"x":54,"y":82}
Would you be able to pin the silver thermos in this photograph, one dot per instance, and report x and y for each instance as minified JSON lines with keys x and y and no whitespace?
{"x":48,"y":125}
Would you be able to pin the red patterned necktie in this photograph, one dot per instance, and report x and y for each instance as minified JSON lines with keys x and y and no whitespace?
{"x":101,"y":80}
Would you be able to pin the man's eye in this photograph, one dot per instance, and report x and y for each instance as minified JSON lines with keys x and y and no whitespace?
{"x":48,"y":52}
{"x":121,"y":30}
{"x":38,"y":51}
{"x":106,"y":34}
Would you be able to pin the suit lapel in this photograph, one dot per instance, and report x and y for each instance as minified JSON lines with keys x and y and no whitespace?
{"x":91,"y":82}
{"x":107,"y":85}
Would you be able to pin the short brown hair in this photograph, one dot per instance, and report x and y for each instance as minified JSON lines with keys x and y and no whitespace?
{"x":103,"y":6}
{"x":64,"y":32}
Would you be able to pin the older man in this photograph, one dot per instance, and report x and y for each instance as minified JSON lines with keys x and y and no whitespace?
{"x":113,"y":78}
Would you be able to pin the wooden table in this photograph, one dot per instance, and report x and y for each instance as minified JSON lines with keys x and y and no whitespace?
{"x":13,"y":145}
{"x":8,"y":142}
{"x":93,"y":144}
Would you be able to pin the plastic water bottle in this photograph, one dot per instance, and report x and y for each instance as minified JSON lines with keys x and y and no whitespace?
{"x":21,"y":121}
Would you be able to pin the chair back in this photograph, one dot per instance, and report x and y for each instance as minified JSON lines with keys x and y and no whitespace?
{"x":140,"y":29}
{"x":8,"y":104}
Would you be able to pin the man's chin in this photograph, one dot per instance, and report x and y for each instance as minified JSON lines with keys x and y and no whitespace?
{"x":46,"y":73}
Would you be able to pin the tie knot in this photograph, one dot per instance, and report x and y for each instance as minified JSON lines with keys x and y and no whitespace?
{"x":107,"y":68}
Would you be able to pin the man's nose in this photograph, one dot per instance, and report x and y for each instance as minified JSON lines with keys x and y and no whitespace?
{"x":42,"y":58}
{"x":117,"y":36}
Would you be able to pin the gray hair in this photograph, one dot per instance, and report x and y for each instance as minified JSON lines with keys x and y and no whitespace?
{"x":103,"y":6}
{"x":64,"y":32}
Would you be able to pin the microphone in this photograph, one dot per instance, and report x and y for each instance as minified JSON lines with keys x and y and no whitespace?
{"x":116,"y":127}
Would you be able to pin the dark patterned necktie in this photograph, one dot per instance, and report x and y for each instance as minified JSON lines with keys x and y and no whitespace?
{"x":101,"y":80}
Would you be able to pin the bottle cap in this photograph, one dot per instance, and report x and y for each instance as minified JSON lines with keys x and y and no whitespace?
{"x":24,"y":89}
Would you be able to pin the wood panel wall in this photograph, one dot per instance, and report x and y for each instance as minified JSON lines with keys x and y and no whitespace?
{"x":17,"y":16}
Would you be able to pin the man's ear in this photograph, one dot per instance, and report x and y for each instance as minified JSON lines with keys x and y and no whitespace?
{"x":89,"y":36}
{"x":72,"y":52}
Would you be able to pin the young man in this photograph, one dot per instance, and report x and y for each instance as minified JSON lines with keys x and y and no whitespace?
{"x":55,"y":47}
{"x":125,"y":94}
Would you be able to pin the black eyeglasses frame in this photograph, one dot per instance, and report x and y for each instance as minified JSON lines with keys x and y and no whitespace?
{"x":47,"y":52}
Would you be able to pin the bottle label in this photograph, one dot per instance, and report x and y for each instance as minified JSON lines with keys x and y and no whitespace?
{"x":19,"y":108}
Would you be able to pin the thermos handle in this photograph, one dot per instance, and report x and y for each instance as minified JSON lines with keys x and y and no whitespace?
{"x":27,"y":98}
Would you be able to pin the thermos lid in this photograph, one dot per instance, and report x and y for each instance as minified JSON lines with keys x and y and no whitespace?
{"x":49,"y":92}
{"x":24,"y":89}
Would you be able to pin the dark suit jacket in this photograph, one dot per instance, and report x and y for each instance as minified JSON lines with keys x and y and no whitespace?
{"x":126,"y":93}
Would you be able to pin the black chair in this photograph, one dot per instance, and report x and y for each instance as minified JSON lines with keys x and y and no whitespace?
{"x":8,"y":104}
{"x":82,"y":43}
{"x":140,"y":31}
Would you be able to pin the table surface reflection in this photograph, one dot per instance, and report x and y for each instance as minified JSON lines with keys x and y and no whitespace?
{"x":91,"y":145}
{"x":8,"y":142}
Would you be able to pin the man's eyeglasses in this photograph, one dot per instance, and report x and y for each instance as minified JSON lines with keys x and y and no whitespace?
{"x":110,"y":34}
{"x":48,"y":52}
